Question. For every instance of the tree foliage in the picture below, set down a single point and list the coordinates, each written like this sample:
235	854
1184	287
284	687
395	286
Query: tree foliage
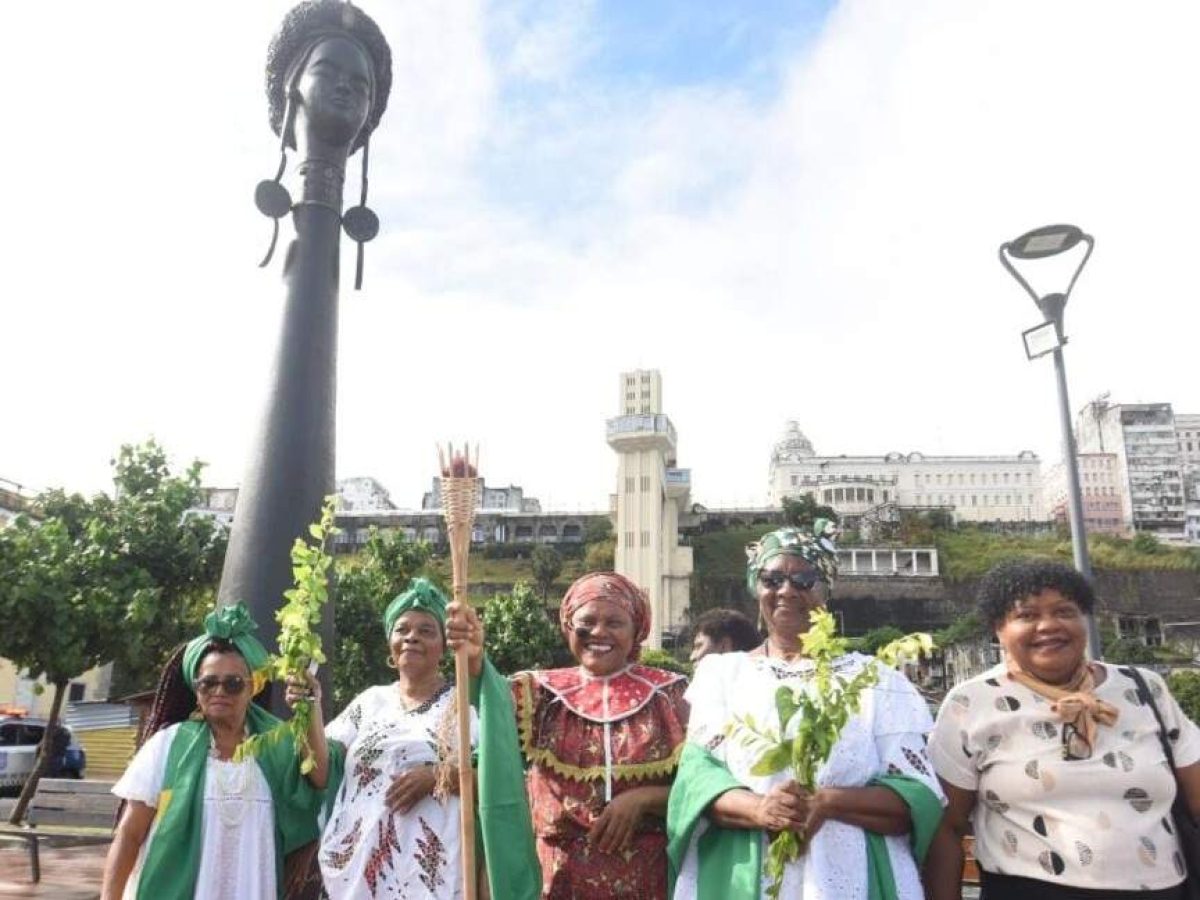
519	632
547	566
366	585
802	511
601	556
664	659
1185	688
107	579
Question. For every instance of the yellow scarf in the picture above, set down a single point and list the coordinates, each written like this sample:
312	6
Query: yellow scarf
1075	703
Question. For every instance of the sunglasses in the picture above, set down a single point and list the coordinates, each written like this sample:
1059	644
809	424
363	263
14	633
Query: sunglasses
232	685
801	581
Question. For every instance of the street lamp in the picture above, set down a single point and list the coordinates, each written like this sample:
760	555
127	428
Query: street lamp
1041	243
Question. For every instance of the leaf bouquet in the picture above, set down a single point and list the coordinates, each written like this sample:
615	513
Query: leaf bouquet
811	720
299	637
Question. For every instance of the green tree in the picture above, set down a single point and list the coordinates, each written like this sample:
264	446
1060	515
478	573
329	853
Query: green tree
597	530
519	632
601	556
802	511
1185	688
64	601
879	637
664	659
365	586
154	519
547	565
1124	651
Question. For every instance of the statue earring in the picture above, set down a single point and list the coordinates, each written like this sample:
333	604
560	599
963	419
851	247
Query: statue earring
271	197
360	222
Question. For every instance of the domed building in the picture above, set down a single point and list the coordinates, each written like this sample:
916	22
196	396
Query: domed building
983	488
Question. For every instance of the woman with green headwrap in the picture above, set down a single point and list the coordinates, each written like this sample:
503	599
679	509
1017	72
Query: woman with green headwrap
197	822
393	830
877	802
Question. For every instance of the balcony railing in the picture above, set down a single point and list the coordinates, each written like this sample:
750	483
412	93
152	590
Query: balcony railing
679	477
655	424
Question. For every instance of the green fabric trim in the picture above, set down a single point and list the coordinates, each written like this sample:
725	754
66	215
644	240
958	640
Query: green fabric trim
173	858
226	623
925	810
504	825
730	859
422	594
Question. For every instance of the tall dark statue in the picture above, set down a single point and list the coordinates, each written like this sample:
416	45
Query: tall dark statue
328	78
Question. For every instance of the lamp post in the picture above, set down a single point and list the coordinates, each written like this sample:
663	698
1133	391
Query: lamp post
1041	243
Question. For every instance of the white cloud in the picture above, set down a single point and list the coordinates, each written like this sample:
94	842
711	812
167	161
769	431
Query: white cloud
825	254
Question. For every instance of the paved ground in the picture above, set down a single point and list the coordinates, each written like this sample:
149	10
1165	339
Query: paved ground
68	873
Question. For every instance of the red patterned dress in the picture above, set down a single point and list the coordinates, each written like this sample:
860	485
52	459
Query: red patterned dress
588	739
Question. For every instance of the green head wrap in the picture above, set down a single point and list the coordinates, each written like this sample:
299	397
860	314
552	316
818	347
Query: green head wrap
234	625
422	595
816	548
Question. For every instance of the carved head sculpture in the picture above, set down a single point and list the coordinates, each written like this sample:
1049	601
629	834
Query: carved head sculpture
330	68
331	58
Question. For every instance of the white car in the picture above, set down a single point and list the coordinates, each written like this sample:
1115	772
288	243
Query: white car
20	737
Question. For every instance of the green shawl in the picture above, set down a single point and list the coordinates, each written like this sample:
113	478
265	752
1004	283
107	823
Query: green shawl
730	859
173	858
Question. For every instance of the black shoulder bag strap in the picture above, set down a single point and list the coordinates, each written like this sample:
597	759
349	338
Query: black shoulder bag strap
1187	831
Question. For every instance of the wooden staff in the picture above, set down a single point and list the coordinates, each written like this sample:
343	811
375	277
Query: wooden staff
460	492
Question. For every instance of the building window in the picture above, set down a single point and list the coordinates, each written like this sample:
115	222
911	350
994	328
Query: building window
972	478
630	380
974	499
75	692
885	496
795	481
828	496
645	483
629	539
645	539
629	484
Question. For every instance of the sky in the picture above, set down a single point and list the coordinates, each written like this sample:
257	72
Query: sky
791	209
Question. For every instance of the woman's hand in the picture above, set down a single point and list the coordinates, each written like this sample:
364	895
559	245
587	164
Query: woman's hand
614	828
301	689
785	807
463	629
409	787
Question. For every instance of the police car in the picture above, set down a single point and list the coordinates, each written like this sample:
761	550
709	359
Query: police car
20	737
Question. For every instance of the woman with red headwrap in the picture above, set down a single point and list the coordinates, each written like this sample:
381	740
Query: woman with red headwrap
602	740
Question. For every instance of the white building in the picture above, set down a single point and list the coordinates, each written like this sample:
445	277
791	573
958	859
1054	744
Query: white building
651	493
1149	465
1187	432
363	494
510	499
1100	490
977	488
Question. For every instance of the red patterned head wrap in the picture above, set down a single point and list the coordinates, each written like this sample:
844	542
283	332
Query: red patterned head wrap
615	589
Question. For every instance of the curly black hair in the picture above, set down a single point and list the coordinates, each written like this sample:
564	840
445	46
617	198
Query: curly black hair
728	623
306	24
1010	582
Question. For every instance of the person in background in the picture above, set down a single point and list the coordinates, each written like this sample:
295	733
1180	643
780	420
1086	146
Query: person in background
723	631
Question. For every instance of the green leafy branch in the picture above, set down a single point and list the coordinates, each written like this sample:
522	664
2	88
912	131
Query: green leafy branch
814	719
299	630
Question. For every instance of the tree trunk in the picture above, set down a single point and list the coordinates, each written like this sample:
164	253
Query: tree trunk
43	757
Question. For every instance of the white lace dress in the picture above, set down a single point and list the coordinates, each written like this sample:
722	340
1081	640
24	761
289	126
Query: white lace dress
886	736
237	851
367	851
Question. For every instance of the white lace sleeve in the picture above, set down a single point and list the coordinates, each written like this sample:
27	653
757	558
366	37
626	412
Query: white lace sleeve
344	729
709	710
143	779
902	722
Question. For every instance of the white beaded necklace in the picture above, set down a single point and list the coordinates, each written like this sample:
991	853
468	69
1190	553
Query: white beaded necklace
231	779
